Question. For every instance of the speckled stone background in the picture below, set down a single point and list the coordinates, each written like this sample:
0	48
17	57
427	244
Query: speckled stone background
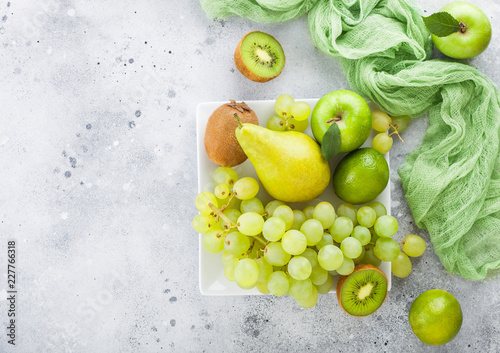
98	179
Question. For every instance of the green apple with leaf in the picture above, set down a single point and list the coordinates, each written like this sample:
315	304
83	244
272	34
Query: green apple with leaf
341	122
459	30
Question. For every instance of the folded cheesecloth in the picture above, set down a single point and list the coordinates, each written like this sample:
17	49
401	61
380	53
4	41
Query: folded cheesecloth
452	181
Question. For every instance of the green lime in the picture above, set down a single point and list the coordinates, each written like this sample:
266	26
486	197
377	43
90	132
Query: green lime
361	176
435	317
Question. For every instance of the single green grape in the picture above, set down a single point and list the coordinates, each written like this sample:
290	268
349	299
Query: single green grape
247	287
252	205
265	269
366	216
358	259
400	123
271	206
294	242
226	257
341	229
370	257
213	242
285	213
273	229
299	267
362	234
346	268
349	211
250	223
202	202
246	188
236	243
313	230
296	125
380	121
202	223
413	245
309	301
233	214
382	142
327	286
276	123
325	213
225	175
401	265
262	287
351	247
300	289
298	219
221	191
309	212
379	208
246	272
330	257
283	104
318	275
278	283
386	249
300	110
311	255
327	239
275	255
229	269
386	226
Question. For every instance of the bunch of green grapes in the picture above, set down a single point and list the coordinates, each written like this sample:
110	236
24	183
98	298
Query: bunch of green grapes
382	123
290	115
285	251
370	240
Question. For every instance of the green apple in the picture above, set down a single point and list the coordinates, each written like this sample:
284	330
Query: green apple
349	111
474	35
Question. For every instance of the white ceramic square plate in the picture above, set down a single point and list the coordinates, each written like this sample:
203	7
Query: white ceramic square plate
212	280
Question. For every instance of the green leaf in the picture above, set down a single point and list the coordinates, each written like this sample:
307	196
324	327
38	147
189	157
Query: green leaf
331	142
441	24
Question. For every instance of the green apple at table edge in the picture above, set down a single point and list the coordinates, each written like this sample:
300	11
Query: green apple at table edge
349	111
473	37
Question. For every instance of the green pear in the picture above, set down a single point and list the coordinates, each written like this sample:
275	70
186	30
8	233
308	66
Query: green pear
289	164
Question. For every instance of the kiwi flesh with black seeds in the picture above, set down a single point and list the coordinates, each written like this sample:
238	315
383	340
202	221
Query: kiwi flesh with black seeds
259	56
363	291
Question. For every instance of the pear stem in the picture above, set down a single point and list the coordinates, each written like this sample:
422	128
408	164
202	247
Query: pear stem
220	214
238	120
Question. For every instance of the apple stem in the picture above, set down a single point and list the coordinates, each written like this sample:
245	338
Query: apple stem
334	120
463	28
238	120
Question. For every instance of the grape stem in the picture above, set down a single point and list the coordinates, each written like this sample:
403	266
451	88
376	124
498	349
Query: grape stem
220	214
228	202
260	240
395	132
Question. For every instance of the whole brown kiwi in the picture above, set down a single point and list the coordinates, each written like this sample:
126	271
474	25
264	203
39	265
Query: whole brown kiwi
220	141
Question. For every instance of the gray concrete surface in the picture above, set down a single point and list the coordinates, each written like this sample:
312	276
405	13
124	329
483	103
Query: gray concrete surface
98	180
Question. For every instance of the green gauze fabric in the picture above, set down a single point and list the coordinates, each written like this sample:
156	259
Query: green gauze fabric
452	181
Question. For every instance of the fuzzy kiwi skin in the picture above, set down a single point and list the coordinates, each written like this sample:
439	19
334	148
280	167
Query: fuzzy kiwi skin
342	279
220	140
240	64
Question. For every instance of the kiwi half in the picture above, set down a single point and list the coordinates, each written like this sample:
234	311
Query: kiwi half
259	56
363	291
